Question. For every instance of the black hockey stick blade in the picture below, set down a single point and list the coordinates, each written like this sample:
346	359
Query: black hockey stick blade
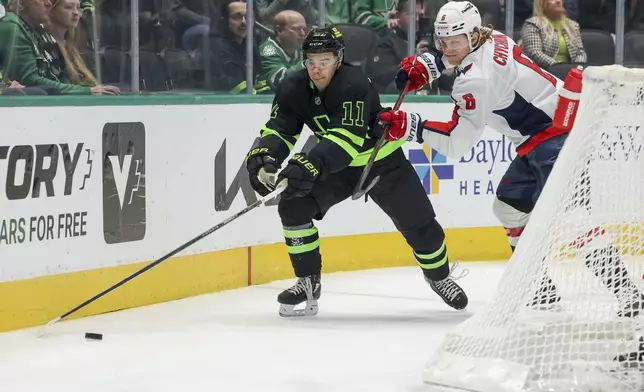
359	191
278	189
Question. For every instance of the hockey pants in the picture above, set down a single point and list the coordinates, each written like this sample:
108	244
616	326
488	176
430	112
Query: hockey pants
522	184
399	193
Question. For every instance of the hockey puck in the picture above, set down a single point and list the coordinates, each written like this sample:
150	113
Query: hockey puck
93	336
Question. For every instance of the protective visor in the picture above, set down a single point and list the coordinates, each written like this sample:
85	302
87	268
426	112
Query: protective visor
451	44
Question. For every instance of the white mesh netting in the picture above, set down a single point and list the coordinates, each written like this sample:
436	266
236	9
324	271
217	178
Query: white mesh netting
587	235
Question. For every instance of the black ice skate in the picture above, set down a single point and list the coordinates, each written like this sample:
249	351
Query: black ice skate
607	265
449	291
633	359
546	297
307	289
632	305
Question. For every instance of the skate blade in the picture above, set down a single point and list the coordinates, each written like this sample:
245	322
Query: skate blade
310	310
630	311
554	307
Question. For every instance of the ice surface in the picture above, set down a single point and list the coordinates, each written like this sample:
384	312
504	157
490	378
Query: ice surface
374	332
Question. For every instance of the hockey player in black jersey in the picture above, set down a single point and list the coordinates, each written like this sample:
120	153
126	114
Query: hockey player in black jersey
338	103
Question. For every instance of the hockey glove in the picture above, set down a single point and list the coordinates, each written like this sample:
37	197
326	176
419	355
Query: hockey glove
262	168
301	172
376	127
421	70
403	125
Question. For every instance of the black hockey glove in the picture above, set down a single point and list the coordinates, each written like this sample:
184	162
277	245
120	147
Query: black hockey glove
261	165
301	172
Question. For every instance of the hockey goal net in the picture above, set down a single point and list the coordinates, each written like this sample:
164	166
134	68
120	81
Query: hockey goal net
580	258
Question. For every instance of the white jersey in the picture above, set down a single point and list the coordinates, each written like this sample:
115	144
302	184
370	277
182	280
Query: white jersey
498	86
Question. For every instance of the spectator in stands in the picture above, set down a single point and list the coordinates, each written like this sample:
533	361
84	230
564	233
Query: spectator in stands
30	55
380	15
425	43
228	57
549	37
189	18
392	48
63	26
14	88
335	11
216	10
268	10
523	11
283	55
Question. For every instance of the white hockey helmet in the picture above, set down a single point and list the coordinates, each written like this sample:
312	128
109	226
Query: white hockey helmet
456	18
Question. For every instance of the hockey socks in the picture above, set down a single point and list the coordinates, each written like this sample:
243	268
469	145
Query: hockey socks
303	245
435	263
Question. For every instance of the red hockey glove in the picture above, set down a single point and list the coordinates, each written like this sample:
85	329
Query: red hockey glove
421	70
402	125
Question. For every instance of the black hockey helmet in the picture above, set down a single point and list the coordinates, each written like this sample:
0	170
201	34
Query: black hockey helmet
323	40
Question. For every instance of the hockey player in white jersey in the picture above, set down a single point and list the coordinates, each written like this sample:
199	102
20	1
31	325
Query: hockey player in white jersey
498	86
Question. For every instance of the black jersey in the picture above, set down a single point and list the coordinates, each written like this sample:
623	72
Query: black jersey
341	117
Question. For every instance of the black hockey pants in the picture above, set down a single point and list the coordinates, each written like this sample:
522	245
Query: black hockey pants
399	193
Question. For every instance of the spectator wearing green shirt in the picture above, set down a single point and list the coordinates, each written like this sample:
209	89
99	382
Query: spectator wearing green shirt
268	9
377	14
283	54
335	11
64	17
11	87
30	55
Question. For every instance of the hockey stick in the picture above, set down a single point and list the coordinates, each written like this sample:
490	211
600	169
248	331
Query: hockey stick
279	189
359	192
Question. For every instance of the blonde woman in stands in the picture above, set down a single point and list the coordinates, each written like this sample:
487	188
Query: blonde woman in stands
63	26
549	37
31	56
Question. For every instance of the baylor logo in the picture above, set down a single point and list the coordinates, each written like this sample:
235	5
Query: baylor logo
124	215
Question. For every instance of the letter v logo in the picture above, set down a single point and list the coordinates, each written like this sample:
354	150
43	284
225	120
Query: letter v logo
121	174
124	195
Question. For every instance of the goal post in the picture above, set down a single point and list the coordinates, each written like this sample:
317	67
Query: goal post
586	234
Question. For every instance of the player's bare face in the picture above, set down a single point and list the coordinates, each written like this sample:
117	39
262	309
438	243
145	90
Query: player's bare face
321	67
455	48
